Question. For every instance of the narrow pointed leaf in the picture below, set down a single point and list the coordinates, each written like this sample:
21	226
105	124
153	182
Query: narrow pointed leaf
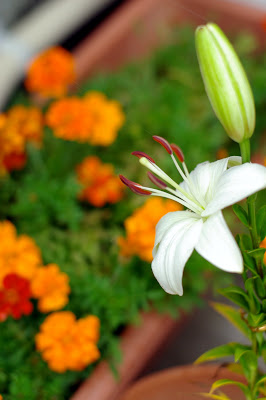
260	382
249	362
224	382
240	350
237	295
224	350
261	222
233	316
241	214
221	396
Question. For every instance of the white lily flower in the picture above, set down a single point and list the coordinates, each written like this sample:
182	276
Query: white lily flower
204	192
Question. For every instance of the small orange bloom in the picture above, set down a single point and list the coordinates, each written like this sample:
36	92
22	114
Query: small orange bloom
69	119
107	118
67	343
140	228
17	127
263	244
100	185
51	287
51	73
222	153
18	254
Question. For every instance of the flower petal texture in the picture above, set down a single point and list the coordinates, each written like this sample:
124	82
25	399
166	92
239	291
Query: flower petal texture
225	82
235	184
217	245
176	236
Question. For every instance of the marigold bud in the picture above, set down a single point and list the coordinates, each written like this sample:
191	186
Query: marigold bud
225	82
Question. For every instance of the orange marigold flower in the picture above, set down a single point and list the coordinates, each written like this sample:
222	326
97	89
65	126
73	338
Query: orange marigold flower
14	297
51	73
100	185
263	245
222	153
107	118
18	254
67	343
69	119
51	287
17	127
140	228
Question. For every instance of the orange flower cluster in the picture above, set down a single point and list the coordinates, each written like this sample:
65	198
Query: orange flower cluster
51	73
20	255
67	343
17	127
93	119
100	185
51	287
140	227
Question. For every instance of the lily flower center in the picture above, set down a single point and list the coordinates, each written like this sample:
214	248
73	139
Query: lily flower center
189	197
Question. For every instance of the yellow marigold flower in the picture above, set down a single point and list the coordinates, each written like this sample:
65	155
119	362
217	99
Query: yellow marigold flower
51	287
263	244
18	254
140	228
107	118
67	343
51	73
69	119
100	185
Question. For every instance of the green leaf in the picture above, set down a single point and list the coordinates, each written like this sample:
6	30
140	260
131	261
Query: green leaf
232	315
261	381
260	287
221	396
264	305
224	382
237	295
224	350
241	214
240	350
261	222
257	253
249	362
245	243
254	303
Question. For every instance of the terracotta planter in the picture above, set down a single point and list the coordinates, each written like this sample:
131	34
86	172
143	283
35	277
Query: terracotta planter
183	383
139	344
139	26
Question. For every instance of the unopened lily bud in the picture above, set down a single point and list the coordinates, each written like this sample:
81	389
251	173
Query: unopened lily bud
225	82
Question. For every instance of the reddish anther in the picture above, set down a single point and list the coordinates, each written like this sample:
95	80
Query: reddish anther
140	154
178	152
164	143
156	181
135	187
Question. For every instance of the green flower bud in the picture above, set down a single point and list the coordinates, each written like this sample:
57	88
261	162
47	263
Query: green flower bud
225	82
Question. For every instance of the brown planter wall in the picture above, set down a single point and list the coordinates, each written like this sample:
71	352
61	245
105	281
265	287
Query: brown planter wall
139	26
132	32
139	345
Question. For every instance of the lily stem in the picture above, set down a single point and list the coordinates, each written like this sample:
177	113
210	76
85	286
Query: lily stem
245	153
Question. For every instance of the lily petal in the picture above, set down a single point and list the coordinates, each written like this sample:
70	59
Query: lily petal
218	246
174	244
205	177
235	184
